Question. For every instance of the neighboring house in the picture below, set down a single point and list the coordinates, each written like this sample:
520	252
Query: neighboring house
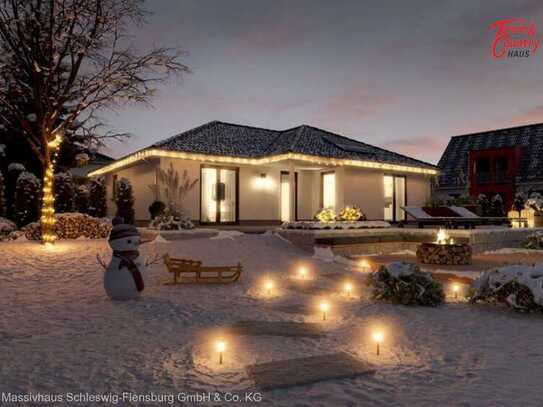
254	175
92	162
493	162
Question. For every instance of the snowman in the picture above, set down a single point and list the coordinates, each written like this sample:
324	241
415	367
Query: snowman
123	279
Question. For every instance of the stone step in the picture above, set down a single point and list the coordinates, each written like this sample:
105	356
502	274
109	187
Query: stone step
277	328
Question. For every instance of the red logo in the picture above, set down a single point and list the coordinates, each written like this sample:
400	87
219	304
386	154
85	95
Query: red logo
515	37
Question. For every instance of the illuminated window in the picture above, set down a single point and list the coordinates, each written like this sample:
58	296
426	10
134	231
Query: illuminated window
329	190
285	197
394	196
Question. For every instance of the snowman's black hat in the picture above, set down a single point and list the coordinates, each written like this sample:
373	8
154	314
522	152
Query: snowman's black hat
122	230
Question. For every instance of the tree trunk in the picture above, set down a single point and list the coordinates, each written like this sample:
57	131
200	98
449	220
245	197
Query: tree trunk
48	219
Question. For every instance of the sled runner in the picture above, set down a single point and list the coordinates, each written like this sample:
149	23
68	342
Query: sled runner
186	271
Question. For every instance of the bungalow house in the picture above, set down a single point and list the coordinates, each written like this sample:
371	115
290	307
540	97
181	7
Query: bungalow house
250	175
501	161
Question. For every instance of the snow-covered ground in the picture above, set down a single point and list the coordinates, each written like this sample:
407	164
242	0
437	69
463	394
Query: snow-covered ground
59	333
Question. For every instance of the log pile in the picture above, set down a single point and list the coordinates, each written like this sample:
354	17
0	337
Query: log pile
450	254
73	226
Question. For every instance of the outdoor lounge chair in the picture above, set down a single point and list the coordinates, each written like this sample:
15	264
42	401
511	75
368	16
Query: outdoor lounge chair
449	217
186	271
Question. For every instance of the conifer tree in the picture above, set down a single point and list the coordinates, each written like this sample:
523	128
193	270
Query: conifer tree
64	192
27	199
125	201
97	198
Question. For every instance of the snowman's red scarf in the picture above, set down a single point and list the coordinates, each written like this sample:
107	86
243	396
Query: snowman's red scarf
127	260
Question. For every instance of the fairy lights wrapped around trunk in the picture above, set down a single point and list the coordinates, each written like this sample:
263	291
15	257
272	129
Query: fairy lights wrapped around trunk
48	219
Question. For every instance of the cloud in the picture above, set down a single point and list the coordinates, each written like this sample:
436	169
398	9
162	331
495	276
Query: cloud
429	148
529	116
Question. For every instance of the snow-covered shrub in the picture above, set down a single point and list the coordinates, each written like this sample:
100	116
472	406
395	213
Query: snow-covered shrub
351	213
497	206
518	286
2	196
157	208
404	283
64	192
167	221
535	202
326	215
484	204
26	208
81	201
97	197
125	201
6	227
534	241
14	170
82	159
519	202
73	226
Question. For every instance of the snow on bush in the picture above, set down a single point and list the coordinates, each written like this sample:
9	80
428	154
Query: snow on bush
6	227
125	201
535	202
16	167
518	286
404	283
27	199
534	241
167	221
73	226
64	192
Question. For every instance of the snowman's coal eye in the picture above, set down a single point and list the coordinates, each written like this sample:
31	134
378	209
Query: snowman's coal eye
129	241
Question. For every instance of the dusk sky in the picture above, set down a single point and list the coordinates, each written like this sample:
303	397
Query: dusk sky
403	75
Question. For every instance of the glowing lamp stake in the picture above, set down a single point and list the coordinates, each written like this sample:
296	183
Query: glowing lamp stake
269	286
324	308
221	347
348	288
302	273
378	338
455	288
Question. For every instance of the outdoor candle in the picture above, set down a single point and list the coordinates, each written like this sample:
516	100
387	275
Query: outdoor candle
378	338
220	345
302	273
324	308
364	265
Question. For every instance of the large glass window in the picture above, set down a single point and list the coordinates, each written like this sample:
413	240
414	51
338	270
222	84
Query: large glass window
394	197
329	190
285	197
218	195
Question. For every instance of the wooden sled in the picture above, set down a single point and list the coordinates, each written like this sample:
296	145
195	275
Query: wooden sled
186	271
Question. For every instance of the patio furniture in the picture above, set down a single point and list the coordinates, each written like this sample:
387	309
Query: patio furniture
450	217
187	271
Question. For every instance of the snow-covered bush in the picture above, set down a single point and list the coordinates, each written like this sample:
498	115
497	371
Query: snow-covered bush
497	206
81	201
97	197
2	196
351	213
6	227
167	221
73	226
404	283
26	208
535	202
326	215
534	241
64	192
484	204
517	286
519	202
125	201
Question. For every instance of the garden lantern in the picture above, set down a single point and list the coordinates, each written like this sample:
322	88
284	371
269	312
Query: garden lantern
456	289
378	337
348	289
268	286
324	306
220	345
302	273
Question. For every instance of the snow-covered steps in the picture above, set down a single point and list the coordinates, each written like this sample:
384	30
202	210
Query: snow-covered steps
307	370
277	328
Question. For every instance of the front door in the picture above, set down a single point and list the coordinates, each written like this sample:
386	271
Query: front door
218	195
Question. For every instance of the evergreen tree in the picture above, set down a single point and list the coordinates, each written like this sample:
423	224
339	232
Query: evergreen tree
14	170
97	198
27	199
64	192
2	196
125	201
82	199
496	206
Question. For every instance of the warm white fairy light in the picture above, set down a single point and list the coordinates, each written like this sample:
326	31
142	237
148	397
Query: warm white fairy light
324	306
151	153
378	337
442	236
48	219
220	346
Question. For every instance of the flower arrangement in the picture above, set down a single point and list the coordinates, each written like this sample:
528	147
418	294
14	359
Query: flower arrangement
351	214
405	283
326	215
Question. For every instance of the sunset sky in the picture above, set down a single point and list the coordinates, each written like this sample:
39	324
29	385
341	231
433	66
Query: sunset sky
403	75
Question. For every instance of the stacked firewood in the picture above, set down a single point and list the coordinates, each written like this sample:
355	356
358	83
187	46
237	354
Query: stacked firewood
451	254
73	226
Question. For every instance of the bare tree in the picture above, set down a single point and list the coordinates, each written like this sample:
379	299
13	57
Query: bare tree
66	60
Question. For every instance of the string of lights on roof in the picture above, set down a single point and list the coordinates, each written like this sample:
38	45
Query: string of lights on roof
152	153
